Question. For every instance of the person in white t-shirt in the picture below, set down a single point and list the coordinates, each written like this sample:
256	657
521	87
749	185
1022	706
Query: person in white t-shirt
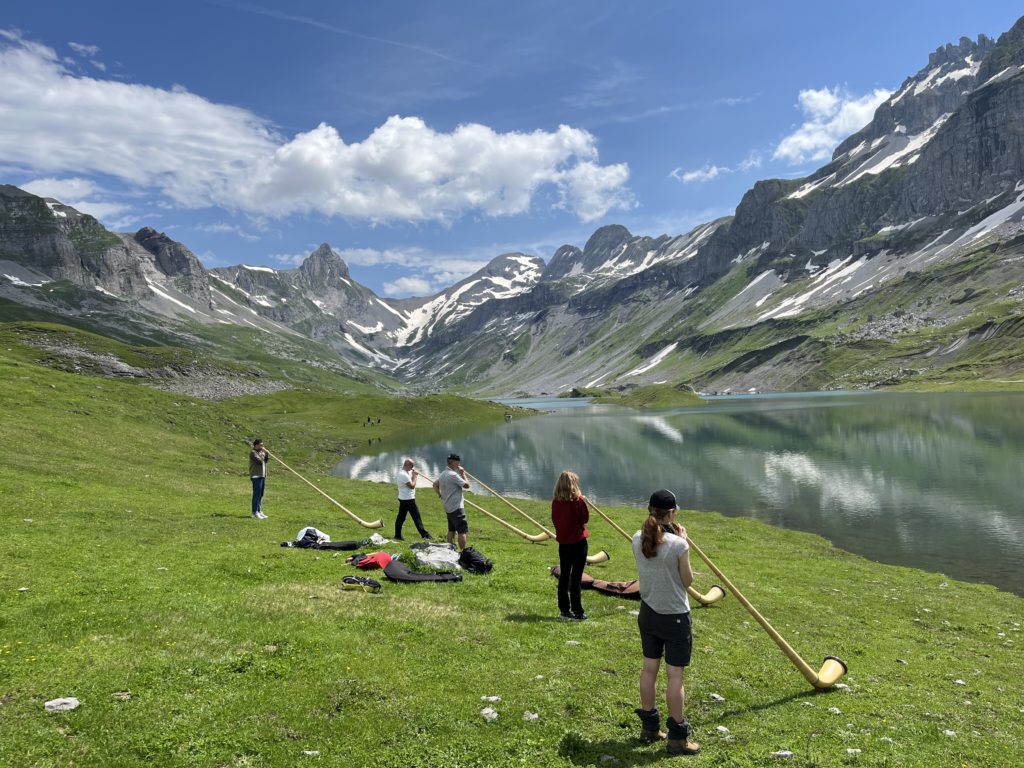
406	482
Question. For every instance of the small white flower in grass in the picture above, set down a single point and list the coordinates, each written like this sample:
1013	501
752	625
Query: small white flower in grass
887	740
902	661
968	703
26	519
852	751
24	589
62	705
122	695
573	642
959	682
311	752
949	733
842	686
539	677
927	610
620	607
490	698
806	704
716	697
530	716
1000	634
634	613
835	711
161	568
722	729
489	714
783	754
943	585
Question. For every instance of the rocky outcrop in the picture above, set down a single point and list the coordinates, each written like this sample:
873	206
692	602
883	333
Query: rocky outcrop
178	262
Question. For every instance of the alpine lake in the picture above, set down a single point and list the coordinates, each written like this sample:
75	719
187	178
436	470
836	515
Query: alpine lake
932	481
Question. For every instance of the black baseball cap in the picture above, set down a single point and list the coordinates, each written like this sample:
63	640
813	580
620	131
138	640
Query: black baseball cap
663	499
454	457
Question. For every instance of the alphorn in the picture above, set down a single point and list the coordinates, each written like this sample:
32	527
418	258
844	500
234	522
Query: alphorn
600	557
713	595
831	669
374	524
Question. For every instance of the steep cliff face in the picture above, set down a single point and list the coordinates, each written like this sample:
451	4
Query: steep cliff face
63	244
177	262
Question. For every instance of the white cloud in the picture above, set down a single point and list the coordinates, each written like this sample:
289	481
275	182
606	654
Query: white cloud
198	153
832	115
84	50
289	259
408	286
223	228
707	173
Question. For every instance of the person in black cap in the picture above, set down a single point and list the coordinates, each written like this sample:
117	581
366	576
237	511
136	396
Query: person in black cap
663	566
450	486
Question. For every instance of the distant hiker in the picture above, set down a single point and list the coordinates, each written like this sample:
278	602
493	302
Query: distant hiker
450	486
406	482
569	515
663	565
258	458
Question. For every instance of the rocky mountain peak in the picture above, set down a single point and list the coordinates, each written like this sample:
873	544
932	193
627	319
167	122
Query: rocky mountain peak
1007	52
172	258
324	267
605	240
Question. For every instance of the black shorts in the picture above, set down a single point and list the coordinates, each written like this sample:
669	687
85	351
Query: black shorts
457	522
665	634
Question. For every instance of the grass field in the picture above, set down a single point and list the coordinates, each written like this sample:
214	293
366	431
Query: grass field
134	579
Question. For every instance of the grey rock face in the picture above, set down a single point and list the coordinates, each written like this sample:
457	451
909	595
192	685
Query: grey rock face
178	262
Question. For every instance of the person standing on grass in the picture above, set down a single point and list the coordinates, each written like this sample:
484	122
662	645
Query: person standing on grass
258	458
450	486
663	565
569	515
406	482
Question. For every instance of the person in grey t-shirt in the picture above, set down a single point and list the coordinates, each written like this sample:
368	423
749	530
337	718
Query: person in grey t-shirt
663	566
450	486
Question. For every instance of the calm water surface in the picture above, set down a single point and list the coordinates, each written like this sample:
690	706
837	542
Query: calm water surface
930	481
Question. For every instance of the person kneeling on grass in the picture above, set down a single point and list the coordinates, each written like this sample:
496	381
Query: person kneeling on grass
569	515
663	567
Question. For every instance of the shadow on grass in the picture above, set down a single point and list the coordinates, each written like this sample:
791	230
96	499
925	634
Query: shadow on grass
531	618
236	515
625	750
773	703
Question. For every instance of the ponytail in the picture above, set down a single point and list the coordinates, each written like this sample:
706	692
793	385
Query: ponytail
652	533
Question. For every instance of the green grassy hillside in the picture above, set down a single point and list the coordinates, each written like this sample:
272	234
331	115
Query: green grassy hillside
134	579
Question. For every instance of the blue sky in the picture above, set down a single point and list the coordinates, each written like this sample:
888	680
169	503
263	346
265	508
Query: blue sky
422	139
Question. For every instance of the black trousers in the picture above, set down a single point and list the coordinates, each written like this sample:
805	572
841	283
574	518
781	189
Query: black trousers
408	506
571	559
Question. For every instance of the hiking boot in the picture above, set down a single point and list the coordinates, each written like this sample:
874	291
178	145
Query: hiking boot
425	535
679	739
650	725
651	737
581	616
563	616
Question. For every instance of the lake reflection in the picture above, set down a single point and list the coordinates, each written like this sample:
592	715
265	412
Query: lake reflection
931	481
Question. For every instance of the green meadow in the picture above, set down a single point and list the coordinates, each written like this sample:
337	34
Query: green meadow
134	579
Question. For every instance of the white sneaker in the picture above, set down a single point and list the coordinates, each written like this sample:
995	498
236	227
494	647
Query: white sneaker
262	516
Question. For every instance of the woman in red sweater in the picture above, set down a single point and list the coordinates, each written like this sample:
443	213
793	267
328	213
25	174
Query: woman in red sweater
570	514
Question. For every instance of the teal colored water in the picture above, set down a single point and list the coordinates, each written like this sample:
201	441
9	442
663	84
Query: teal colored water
926	480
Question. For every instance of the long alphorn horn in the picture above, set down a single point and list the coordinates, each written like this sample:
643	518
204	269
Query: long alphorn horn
600	557
536	538
831	670
713	595
480	482
374	524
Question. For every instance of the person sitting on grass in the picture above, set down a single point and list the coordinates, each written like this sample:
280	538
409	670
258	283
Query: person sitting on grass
663	567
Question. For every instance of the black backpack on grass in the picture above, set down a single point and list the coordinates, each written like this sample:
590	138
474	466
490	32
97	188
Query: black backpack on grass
475	561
